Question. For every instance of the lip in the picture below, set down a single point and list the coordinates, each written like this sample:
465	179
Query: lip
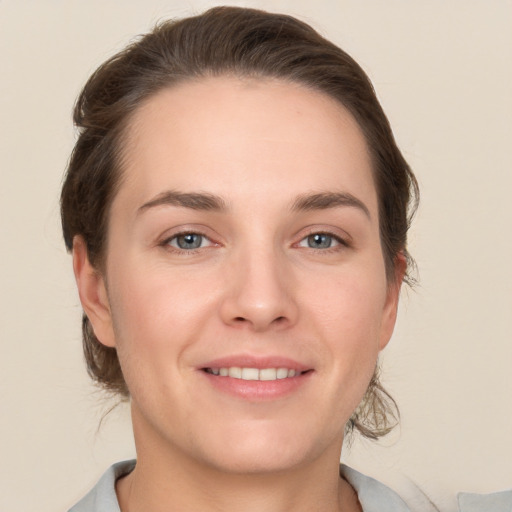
259	362
255	390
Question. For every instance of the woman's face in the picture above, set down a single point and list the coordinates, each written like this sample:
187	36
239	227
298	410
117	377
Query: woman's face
244	239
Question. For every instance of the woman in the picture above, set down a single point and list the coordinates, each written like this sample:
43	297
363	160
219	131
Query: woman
237	210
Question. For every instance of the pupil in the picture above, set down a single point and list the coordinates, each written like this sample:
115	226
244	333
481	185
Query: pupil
189	241
319	241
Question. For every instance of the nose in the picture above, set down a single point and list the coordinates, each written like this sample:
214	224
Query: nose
259	292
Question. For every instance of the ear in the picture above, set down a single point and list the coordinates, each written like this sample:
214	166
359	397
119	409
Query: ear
93	293
391	305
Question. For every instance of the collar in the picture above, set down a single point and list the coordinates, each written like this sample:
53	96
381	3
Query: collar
373	495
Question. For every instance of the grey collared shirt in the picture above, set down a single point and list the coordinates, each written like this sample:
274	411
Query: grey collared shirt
373	495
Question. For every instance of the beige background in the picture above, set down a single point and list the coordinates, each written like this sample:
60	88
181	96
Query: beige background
443	72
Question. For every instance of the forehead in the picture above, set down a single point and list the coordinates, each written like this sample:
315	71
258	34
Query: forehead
228	135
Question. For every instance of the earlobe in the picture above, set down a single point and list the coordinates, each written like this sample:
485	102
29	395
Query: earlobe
391	306
93	293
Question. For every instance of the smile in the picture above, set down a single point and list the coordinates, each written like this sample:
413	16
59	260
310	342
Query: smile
261	374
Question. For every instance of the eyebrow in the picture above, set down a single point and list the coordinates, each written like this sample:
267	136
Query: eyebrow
325	200
192	200
211	202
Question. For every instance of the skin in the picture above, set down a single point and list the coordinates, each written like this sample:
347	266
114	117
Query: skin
255	286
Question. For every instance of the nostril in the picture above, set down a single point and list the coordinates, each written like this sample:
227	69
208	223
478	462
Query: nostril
260	320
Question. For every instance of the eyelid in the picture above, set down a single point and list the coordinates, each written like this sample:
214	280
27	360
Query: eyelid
178	235
335	242
341	236
166	238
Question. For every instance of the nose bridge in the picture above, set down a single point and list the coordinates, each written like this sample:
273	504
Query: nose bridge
260	288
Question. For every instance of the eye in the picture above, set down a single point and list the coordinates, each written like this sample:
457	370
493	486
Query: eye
320	241
188	241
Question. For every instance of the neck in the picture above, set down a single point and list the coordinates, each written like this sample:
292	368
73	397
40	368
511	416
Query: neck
167	479
228	493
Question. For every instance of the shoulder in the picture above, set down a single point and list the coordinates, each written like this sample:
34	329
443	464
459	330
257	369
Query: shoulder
377	497
372	494
102	497
494	502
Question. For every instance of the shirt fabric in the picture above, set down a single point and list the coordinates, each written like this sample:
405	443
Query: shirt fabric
373	495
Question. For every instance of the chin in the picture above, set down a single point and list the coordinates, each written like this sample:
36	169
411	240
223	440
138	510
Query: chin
261	450
262	461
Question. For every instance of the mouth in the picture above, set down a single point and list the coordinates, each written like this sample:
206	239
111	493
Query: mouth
256	378
255	374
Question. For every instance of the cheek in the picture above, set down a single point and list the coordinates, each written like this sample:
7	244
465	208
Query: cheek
155	322
349	315
350	302
158	314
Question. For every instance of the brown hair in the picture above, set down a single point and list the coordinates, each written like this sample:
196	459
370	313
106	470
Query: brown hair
224	41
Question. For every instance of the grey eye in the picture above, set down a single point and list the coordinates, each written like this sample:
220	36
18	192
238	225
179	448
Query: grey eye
188	241
320	241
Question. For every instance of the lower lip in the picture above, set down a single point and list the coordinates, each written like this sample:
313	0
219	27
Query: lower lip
258	390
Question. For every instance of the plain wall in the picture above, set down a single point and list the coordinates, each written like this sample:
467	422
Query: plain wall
442	70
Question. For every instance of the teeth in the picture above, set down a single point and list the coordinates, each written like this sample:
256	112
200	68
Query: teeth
250	374
266	374
269	374
282	373
235	372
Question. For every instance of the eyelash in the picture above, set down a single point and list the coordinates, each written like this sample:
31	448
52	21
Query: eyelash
339	242
167	242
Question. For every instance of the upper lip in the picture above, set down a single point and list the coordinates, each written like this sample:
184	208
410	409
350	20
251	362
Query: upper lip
259	362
